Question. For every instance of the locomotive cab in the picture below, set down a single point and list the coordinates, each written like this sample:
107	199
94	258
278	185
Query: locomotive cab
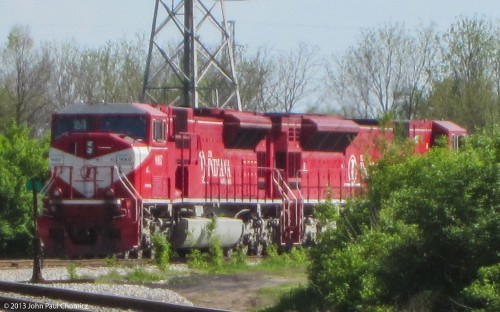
94	194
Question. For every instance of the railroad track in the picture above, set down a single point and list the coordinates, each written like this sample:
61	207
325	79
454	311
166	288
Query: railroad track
79	301
28	263
52	263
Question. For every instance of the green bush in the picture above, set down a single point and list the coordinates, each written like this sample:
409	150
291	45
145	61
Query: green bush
215	254
21	159
161	249
425	227
197	259
484	292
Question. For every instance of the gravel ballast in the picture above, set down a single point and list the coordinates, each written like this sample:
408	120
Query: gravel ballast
57	277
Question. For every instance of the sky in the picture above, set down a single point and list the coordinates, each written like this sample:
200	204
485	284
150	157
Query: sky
330	25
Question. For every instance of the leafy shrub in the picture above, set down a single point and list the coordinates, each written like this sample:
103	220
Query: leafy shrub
215	254
295	258
197	260
421	232
484	292
161	250
21	159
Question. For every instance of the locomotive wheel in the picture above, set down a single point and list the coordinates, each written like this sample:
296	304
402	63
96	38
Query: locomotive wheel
150	253
182	253
244	248
259	248
126	255
228	252
139	253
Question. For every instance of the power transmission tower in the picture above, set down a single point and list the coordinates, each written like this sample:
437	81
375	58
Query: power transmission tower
193	71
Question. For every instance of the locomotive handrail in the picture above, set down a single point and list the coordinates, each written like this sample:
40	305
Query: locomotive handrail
46	186
124	180
278	180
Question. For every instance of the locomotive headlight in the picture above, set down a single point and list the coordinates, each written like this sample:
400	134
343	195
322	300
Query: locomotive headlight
109	193
90	147
57	193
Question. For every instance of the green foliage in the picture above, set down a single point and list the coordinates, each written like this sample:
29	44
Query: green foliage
216	255
112	261
484	292
238	259
300	299
72	274
21	159
423	230
137	275
197	260
213	261
162	250
295	258
141	275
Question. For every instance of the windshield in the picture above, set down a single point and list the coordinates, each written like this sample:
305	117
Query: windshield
71	124
132	126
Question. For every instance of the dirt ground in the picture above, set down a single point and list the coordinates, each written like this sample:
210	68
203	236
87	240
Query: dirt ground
235	292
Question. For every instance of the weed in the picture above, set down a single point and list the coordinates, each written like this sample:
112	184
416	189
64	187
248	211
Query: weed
112	261
140	275
112	277
197	260
296	258
238	260
72	271
162	250
137	275
215	255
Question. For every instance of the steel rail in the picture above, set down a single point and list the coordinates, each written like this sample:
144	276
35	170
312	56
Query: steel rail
98	299
52	262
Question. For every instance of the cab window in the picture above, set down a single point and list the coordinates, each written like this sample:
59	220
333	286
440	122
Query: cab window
132	126
159	127
71	124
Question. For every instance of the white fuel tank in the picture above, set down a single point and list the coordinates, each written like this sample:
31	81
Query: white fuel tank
197	232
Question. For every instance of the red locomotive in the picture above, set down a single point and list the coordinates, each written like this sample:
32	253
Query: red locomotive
121	172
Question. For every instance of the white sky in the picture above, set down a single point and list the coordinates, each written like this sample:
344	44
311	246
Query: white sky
331	25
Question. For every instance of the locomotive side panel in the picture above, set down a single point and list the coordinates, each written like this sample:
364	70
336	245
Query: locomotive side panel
121	172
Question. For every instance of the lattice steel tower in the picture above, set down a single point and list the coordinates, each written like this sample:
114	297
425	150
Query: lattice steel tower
190	60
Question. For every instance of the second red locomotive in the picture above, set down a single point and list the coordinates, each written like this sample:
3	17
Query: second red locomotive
122	172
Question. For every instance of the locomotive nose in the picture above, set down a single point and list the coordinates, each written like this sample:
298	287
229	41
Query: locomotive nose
83	235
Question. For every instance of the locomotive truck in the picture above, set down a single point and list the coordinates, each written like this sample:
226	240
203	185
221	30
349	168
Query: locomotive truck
120	173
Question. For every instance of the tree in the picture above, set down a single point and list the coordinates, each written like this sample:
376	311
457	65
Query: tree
25	80
254	75
65	72
293	79
112	73
21	159
465	91
388	71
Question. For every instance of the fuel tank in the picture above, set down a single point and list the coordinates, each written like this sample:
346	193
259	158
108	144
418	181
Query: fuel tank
199	232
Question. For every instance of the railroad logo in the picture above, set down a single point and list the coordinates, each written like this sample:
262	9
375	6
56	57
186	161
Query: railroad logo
159	160
88	172
215	170
353	169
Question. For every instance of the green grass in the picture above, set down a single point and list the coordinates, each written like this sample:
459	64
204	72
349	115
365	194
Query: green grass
299	299
295	259
270	296
137	275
